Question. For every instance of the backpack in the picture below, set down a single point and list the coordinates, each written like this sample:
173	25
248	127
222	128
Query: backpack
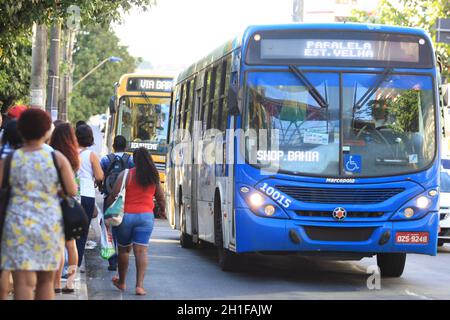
116	166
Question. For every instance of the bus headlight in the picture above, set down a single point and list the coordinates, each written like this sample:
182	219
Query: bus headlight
423	202
269	210
409	212
260	204
418	206
256	200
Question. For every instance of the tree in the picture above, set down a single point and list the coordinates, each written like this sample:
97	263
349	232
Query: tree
15	69
16	21
94	44
18	16
411	13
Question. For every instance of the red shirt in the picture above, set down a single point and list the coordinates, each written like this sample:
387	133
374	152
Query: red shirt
137	198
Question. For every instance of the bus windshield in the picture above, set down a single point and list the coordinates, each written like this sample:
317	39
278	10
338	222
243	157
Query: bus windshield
373	124
144	121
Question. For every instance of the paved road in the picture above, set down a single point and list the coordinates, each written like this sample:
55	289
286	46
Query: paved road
176	273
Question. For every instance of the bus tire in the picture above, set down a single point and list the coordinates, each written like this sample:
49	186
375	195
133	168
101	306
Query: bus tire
185	239
391	264
226	258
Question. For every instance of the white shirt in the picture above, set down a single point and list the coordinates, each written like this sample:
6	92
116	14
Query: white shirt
86	175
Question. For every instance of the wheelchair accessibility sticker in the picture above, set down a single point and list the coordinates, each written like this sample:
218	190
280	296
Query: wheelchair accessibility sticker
352	163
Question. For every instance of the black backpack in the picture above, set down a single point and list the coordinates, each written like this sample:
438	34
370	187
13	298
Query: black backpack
116	166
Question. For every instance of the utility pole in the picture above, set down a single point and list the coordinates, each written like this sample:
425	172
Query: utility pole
297	10
38	67
66	80
53	71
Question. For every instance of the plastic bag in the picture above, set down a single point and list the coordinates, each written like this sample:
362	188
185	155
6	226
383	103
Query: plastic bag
107	248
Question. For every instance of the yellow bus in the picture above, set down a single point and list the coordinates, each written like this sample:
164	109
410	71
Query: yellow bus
139	111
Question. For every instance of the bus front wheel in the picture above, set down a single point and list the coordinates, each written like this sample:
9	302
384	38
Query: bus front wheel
227	259
391	264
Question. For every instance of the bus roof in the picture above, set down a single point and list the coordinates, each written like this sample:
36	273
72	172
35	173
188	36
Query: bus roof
367	27
236	43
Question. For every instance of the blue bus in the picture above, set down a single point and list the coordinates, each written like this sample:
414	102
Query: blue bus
318	139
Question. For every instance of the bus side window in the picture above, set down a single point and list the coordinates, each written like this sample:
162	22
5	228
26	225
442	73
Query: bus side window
186	105
205	108
212	84
224	85
171	111
180	107
217	92
189	111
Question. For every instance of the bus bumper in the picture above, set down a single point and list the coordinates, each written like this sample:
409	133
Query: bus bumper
259	234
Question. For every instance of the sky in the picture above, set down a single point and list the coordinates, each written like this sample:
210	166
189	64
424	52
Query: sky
176	33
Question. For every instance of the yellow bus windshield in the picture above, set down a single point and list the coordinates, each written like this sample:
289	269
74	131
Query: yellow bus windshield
144	122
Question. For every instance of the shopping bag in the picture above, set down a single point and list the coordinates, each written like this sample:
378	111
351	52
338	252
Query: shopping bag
114	214
107	248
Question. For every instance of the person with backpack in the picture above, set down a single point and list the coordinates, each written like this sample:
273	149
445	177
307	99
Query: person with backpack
113	164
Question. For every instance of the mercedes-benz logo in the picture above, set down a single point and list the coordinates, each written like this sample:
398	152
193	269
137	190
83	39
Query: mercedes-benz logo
339	213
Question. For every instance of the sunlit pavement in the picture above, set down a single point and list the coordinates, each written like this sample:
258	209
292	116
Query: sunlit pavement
176	273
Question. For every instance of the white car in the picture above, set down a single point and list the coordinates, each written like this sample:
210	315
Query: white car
444	212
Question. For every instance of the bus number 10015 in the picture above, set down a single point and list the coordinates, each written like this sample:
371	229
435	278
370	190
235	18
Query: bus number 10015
275	195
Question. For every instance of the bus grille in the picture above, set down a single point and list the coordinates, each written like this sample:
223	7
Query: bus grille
338	234
328	214
338	196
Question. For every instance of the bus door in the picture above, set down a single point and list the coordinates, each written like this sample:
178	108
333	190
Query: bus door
196	136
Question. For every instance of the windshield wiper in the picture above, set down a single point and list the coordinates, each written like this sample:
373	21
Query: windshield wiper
311	89
366	96
145	96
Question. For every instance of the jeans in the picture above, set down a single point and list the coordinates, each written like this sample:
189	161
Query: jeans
88	204
136	228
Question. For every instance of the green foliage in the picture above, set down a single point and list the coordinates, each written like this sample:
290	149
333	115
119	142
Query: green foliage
91	96
17	16
15	70
405	109
16	20
411	13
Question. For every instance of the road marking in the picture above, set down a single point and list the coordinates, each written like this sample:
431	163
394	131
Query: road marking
417	295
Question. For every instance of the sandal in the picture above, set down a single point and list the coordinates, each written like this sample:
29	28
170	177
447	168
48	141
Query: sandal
115	282
68	290
140	291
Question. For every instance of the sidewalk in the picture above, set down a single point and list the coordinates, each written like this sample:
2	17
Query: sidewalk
81	292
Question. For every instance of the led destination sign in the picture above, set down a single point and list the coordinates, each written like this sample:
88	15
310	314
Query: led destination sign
340	49
149	84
